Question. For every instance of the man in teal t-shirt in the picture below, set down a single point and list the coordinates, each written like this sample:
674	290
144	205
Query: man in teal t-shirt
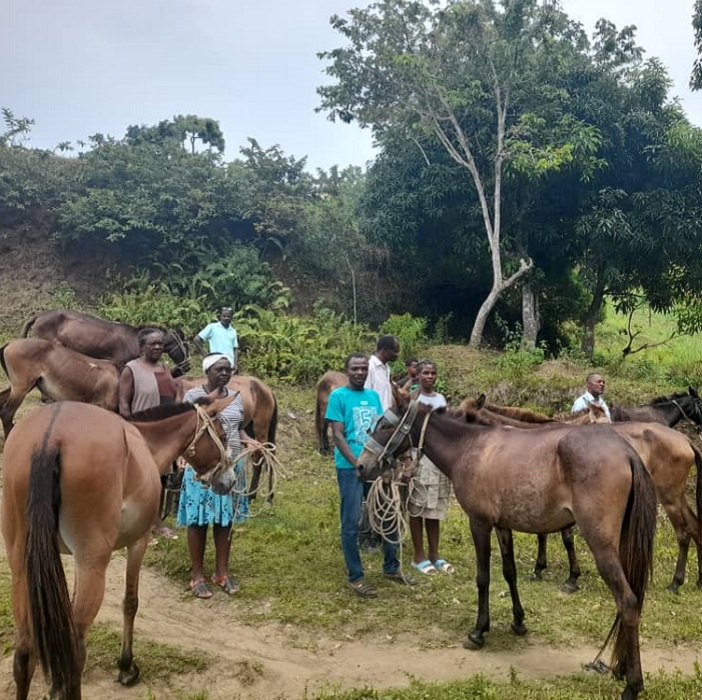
352	412
220	336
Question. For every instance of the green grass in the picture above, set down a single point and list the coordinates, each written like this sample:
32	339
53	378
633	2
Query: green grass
290	566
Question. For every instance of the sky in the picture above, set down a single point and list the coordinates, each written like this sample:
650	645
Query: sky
80	67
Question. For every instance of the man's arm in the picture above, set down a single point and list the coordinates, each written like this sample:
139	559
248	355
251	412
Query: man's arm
126	393
340	441
197	340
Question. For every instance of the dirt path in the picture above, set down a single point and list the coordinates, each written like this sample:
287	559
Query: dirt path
280	662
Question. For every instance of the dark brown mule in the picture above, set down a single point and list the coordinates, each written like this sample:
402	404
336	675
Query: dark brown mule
330	380
59	372
666	454
81	480
539	481
668	410
96	337
260	416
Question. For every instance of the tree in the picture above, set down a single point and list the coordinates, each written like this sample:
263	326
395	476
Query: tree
696	77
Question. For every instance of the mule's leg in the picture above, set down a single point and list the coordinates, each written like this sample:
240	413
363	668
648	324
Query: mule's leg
128	670
685	524
25	660
541	558
481	532
509	571
571	585
9	408
90	570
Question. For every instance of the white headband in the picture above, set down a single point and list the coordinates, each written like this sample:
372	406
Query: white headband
212	359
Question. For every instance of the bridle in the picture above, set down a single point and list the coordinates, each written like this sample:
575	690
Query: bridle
402	425
177	341
206	424
696	423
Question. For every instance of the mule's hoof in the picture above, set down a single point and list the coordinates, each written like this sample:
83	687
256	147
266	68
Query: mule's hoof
519	629
569	587
536	576
130	677
475	641
673	587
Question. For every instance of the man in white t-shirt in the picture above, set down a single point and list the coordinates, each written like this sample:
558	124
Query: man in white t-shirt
593	395
221	337
387	349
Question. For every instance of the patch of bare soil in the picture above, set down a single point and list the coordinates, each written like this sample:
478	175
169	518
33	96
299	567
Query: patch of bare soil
282	662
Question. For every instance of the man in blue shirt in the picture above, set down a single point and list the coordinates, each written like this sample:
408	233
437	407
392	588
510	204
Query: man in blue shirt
220	336
352	411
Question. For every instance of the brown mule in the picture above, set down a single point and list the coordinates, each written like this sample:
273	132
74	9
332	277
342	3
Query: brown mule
330	380
539	481
60	373
106	340
667	455
81	480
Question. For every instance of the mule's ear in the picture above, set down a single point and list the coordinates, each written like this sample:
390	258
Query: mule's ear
481	401
219	405
399	396
693	392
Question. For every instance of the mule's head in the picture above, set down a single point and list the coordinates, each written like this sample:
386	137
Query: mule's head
695	411
389	438
207	453
176	347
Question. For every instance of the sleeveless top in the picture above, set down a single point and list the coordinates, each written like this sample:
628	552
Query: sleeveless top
150	389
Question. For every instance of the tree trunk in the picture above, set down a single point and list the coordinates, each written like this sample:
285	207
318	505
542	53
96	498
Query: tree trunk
591	319
531	318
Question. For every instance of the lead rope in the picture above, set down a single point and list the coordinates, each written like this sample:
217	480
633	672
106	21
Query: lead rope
385	502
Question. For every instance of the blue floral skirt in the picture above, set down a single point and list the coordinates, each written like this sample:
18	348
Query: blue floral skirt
199	505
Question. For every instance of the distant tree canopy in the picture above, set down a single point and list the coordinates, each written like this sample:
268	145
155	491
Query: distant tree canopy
525	174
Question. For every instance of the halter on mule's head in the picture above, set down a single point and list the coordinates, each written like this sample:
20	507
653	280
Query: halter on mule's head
176	348
221	476
389	438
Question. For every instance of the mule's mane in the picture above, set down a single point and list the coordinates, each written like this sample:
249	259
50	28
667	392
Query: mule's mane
167	410
668	399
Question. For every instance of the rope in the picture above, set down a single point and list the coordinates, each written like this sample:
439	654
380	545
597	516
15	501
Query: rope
385	512
271	467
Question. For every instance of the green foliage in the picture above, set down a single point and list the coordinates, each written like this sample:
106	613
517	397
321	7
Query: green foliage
410	332
294	348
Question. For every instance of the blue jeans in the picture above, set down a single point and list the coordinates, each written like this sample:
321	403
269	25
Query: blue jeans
351	493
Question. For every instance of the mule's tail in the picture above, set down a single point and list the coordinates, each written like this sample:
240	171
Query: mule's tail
698	484
48	598
636	548
28	326
273	425
2	358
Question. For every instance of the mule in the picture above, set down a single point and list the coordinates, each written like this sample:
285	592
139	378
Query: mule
539	481
81	480
105	340
260	417
330	380
667	456
669	410
58	372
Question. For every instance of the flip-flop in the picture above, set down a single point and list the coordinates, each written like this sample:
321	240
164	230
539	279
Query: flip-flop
227	583
200	589
444	566
425	567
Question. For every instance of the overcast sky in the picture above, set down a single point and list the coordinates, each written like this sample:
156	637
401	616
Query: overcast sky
78	67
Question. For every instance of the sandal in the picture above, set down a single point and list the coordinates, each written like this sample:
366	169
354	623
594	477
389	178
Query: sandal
200	589
362	589
425	567
227	583
443	565
399	577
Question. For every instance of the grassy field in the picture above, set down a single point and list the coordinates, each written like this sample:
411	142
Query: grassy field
289	561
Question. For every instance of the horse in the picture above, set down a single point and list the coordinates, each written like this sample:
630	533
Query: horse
81	480
105	340
669	410
330	380
260	416
667	456
60	373
538	481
